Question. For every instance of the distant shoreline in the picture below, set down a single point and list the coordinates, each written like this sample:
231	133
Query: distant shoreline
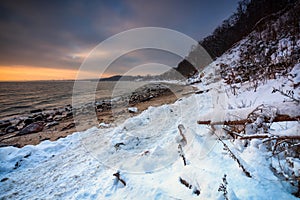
110	78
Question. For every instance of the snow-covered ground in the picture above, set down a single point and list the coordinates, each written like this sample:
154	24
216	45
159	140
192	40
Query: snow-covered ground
146	152
144	149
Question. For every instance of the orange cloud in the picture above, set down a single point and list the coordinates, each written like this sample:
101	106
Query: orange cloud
29	73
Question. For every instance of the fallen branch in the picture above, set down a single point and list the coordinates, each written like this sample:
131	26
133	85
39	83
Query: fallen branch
201	91
236	159
289	94
185	183
117	175
181	154
183	140
196	92
232	133
285	150
189	186
232	155
271	137
277	143
262	136
278	118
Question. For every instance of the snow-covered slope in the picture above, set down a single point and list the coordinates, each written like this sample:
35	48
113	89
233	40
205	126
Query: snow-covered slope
145	151
148	150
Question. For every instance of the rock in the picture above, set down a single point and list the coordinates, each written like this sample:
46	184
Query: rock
44	139
36	111
148	92
4	179
38	118
57	118
118	145
104	106
68	108
19	122
68	114
49	119
5	124
28	121
69	126
45	115
57	112
133	110
51	124
2	133
11	129
32	128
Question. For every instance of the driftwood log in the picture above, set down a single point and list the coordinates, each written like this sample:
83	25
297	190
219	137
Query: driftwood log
278	118
275	137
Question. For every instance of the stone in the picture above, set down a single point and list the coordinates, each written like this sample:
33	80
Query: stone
51	124
2	133
57	112
19	121
49	119
118	145
69	126
36	111
11	129
28	121
38	118
45	115
5	124
68	108
147	92
57	118
4	179
32	128
68	114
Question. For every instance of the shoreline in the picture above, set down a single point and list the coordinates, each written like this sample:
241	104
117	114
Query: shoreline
53	124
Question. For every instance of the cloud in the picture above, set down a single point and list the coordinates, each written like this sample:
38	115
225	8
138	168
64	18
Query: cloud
143	57
60	34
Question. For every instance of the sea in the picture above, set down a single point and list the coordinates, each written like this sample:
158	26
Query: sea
19	98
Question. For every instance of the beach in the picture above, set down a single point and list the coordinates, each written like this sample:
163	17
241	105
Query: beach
56	122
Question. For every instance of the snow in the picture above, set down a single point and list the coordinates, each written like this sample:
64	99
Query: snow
133	109
295	74
177	82
144	149
104	125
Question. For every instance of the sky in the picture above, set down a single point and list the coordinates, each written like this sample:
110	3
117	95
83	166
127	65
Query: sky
49	40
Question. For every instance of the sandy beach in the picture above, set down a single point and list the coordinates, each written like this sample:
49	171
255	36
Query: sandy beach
62	123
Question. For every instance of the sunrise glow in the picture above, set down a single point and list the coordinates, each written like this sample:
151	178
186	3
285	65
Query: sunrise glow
29	73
